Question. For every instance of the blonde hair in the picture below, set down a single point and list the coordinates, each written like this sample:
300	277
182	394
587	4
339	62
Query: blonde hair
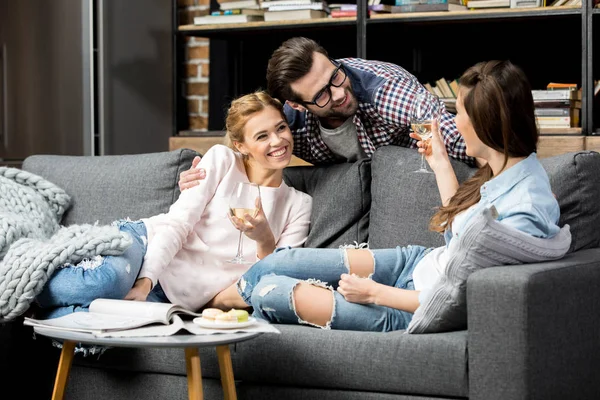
242	109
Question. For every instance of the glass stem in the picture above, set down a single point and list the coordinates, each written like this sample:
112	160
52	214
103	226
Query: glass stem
240	246
423	166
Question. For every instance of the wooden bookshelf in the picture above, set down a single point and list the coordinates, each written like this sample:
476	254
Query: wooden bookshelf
239	66
270	25
498	13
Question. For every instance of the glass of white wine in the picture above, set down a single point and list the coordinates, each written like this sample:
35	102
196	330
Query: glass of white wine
425	112
241	202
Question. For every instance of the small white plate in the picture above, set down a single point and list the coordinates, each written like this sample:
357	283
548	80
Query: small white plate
206	323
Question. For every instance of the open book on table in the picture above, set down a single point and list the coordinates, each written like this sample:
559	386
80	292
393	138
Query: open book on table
127	318
107	315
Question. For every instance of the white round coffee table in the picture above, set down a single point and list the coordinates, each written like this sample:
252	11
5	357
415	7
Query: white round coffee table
190	343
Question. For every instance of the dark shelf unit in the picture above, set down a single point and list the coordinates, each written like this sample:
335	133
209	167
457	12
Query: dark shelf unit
239	53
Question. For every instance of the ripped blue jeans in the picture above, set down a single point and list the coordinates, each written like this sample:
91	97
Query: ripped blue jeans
268	286
73	287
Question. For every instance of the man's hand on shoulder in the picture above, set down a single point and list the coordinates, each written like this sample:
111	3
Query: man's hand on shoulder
193	176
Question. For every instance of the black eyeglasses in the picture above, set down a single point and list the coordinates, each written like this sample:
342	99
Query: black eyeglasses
323	96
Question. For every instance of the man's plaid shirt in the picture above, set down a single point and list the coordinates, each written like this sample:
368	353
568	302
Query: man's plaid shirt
386	101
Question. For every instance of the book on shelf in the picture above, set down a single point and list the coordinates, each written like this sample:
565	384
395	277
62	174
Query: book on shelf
552	112
268	4
549	103
561	86
445	88
475	4
553	122
551	94
227	19
454	86
427	7
525	3
238	11
247	4
310	6
108	315
294	15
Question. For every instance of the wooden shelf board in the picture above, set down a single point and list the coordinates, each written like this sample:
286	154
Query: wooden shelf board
381	18
560	131
325	22
549	146
592	143
478	14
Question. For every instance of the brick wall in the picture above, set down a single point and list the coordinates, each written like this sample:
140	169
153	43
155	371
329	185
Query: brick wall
197	64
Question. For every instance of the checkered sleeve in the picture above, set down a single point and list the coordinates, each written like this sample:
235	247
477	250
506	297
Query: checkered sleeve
396	103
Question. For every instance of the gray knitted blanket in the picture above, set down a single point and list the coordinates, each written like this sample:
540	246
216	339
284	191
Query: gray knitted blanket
33	243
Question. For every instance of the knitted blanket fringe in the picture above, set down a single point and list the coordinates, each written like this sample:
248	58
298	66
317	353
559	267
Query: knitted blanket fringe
33	242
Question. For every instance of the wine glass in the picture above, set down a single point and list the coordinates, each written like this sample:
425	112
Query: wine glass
426	110
241	202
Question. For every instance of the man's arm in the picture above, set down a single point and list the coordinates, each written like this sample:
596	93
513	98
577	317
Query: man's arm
396	103
193	176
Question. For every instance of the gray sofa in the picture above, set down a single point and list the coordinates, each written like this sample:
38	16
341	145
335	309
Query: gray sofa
533	330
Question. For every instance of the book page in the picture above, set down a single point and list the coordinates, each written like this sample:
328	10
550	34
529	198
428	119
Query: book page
152	312
154	330
87	322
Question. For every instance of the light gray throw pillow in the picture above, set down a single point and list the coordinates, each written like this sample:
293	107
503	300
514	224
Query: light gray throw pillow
484	243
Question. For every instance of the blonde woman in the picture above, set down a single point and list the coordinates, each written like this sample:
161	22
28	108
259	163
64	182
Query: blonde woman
181	256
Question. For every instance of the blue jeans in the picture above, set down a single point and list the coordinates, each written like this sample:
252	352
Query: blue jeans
269	284
72	288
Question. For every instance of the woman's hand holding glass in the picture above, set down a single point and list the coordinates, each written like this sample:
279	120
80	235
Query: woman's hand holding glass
255	226
433	149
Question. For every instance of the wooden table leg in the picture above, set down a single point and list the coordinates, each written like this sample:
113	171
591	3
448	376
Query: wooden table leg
224	356
194	373
64	366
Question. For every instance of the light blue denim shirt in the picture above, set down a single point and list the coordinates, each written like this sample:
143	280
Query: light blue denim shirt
523	198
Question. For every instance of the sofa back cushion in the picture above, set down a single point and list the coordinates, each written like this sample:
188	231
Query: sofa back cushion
404	201
575	181
341	201
111	187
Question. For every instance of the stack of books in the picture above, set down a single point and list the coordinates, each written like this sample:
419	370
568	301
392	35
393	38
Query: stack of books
341	10
411	6
286	10
479	4
447	91
233	11
558	106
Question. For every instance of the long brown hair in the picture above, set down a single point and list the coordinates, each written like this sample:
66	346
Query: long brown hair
241	110
290	62
497	98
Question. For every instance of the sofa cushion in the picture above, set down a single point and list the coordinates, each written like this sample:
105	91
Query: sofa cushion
341	201
403	201
111	187
575	182
305	357
483	243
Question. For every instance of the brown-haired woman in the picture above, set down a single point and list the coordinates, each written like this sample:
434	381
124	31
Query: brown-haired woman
496	118
182	256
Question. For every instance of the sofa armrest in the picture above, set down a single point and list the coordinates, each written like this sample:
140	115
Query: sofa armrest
534	330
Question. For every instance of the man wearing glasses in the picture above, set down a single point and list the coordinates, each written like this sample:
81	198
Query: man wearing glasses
342	110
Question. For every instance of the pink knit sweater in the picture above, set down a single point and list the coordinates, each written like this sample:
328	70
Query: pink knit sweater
189	246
